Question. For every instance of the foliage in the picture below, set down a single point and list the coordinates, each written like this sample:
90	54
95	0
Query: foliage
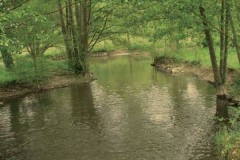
34	31
228	144
235	85
227	139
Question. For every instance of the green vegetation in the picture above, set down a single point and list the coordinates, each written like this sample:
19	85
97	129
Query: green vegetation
235	86
228	143
59	36
200	55
228	138
24	71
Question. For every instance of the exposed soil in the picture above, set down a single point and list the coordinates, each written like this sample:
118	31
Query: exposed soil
173	66
58	81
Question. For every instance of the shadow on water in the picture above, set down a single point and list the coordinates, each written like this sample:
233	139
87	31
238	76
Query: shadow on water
222	110
15	137
83	109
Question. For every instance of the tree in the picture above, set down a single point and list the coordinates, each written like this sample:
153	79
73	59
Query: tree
7	45
83	24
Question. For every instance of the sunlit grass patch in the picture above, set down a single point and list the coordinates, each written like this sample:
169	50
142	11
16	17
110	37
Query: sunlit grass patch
24	70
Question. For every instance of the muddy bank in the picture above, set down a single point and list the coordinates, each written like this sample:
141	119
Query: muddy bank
58	81
173	66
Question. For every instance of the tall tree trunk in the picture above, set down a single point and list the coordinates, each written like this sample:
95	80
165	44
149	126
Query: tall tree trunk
86	20
225	56
65	35
83	10
235	38
222	37
77	66
34	56
7	58
212	54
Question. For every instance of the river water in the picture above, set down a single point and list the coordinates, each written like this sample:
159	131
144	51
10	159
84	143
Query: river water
132	112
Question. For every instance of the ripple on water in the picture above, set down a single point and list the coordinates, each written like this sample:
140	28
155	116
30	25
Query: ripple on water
134	114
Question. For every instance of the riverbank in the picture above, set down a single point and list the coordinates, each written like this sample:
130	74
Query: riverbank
118	53
173	66
58	81
227	139
53	73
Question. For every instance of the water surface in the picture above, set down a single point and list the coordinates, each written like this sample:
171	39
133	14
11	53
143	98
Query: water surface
132	112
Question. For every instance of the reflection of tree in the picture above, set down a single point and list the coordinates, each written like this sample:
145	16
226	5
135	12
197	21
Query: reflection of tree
17	127
131	68
44	102
83	110
15	116
176	86
122	70
222	109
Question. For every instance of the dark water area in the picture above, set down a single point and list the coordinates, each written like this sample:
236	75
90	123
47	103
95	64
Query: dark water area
132	112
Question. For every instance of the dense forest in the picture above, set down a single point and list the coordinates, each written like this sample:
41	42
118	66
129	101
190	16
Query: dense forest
43	38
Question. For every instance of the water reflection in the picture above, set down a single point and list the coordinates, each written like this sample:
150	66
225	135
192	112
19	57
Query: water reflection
131	112
222	110
83	109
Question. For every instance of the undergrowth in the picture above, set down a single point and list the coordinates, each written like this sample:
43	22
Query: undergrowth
227	140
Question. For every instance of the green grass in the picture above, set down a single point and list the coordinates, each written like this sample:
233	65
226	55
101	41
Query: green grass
200	55
6	76
227	140
234	87
228	143
55	53
24	71
106	46
188	51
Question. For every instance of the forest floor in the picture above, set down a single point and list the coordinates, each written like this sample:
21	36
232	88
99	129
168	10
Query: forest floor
58	81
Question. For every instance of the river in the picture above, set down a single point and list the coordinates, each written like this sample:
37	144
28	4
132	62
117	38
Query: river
131	112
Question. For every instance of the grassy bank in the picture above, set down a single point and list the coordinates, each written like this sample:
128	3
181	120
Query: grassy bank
25	72
184	52
200	56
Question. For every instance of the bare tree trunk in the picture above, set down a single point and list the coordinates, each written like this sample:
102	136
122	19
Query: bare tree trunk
212	54
235	39
65	35
7	58
224	67
77	66
84	15
76	32
32	50
222	37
